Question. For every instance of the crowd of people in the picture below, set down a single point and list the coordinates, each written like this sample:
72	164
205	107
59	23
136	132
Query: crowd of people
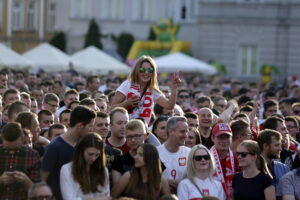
69	136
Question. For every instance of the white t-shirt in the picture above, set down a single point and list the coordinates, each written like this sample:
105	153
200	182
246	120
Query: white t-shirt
210	187
146	104
175	162
70	189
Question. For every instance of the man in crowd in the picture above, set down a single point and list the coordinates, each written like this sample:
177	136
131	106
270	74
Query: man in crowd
205	126
135	132
60	150
118	120
269	142
193	120
40	191
240	131
173	154
10	96
14	109
70	95
64	117
46	119
102	124
226	162
20	165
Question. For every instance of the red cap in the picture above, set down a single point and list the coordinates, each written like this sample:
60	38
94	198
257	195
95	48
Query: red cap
221	128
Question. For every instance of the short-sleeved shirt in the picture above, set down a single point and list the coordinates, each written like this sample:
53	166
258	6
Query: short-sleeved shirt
146	103
209	187
58	153
123	163
290	184
175	163
124	148
251	188
25	160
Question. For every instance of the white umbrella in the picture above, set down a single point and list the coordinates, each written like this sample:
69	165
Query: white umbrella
92	59
48	58
9	58
181	62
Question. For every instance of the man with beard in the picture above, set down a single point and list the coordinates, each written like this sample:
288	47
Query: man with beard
205	126
269	142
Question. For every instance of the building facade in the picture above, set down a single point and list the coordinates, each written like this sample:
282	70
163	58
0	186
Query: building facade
241	34
26	23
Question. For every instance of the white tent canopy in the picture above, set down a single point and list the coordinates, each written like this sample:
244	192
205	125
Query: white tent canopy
181	62
48	58
91	59
9	58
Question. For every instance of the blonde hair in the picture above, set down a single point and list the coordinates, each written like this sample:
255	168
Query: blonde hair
134	78
135	124
191	169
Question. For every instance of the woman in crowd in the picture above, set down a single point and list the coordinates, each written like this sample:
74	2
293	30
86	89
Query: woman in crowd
86	177
255	181
145	181
139	93
159	128
193	137
199	182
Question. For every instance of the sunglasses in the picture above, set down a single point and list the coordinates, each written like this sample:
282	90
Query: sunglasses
199	158
143	70
243	154
184	96
296	111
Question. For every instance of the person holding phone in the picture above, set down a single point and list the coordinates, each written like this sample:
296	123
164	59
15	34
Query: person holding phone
139	93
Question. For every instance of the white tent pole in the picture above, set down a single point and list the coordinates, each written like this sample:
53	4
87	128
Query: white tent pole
9	22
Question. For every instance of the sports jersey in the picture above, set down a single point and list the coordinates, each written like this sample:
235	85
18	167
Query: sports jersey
175	162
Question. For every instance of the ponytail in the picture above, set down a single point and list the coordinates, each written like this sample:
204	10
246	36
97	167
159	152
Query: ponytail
262	165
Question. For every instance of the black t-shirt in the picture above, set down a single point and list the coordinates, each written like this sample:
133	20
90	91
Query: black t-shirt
250	188
111	154
207	142
123	163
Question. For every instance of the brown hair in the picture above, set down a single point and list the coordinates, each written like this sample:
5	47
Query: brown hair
154	173
89	180
265	137
238	127
253	148
153	84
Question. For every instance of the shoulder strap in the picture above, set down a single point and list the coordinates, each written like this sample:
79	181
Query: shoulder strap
198	188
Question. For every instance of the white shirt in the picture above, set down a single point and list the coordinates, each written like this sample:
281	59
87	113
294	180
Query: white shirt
146	104
70	189
175	162
210	187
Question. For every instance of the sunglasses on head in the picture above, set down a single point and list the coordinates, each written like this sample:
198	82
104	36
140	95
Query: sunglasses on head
243	154
199	158
143	70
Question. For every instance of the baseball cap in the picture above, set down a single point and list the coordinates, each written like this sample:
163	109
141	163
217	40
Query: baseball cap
221	128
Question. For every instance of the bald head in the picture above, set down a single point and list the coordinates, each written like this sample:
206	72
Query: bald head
205	117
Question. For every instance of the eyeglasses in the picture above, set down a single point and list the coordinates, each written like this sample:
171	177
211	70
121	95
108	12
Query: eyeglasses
243	154
184	96
199	158
296	111
134	136
42	197
143	70
52	105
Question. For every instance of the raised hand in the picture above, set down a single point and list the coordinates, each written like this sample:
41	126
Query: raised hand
176	81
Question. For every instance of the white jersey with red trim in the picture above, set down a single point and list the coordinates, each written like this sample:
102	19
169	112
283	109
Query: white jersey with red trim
146	103
175	162
210	187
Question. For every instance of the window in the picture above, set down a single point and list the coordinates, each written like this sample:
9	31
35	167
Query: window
142	10
248	60
112	9
31	16
81	8
17	16
183	10
51	17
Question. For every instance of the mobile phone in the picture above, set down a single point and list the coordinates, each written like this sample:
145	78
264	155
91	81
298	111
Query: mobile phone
10	173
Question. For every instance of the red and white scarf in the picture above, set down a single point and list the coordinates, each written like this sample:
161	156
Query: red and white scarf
219	174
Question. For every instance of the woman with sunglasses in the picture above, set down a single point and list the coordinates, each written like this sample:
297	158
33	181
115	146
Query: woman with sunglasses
255	181
145	180
86	177
139	93
200	182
